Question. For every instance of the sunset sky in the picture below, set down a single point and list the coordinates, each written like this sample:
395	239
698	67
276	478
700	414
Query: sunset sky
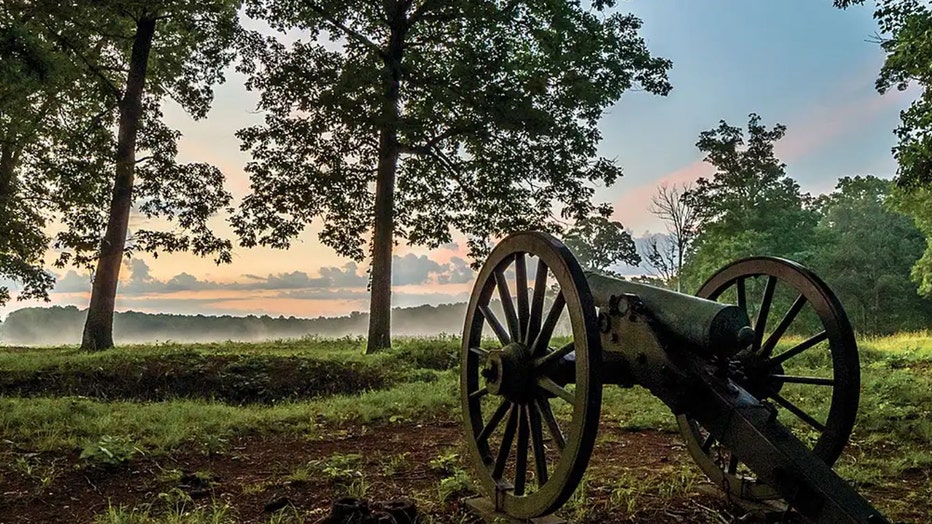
798	62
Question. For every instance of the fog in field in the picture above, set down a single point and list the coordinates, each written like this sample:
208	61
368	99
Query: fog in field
63	325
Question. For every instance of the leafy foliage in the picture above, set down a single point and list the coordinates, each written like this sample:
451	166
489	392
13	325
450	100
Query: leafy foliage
498	116
865	250
190	48
749	206
907	41
420	118
50	134
599	243
917	203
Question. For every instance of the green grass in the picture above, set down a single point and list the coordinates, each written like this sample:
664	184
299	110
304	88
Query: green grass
232	373
892	438
64	423
346	349
216	513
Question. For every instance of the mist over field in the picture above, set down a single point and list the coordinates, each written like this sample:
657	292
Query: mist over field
63	325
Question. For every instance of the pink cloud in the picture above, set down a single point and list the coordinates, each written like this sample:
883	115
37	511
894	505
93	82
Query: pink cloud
815	128
822	125
631	207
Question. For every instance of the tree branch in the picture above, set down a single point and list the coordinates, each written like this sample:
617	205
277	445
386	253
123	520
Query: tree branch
348	31
92	67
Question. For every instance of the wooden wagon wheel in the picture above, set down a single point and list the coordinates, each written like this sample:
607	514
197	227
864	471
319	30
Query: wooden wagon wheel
520	385
767	371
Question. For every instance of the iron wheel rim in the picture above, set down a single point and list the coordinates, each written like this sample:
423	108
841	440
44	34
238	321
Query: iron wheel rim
578	439
842	346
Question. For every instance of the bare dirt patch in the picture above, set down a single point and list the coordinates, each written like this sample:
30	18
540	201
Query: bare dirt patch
385	461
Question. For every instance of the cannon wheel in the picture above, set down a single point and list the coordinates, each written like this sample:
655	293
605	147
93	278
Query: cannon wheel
510	386
765	372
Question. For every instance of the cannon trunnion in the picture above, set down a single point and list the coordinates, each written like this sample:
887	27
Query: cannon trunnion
730	363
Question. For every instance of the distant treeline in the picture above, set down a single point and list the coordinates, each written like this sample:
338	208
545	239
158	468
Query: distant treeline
62	325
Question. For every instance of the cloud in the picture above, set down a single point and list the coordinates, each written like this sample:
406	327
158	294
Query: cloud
293	280
822	125
631	207
347	276
412	269
458	272
345	282
324	294
72	283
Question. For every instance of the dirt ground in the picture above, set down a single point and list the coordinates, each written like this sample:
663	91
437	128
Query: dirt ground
256	474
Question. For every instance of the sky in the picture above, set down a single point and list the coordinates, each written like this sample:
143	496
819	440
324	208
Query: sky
801	63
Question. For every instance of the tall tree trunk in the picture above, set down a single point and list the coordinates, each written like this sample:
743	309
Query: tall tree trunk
380	305
7	177
98	328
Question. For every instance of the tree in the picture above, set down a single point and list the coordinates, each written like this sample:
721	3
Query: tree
660	253
749	206
865	252
681	218
917	203
46	135
907	29
907	42
423	117
141	52
600	243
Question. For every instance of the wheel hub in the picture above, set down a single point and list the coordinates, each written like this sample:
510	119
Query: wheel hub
756	376
509	372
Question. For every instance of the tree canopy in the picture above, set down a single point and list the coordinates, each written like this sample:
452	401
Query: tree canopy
864	249
906	38
50	130
137	54
474	116
749	206
599	243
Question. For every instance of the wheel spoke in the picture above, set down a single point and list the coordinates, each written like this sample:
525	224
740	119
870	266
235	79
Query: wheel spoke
818	381
794	409
544	405
553	356
732	464
521	457
788	318
479	351
508	305
507	438
742	294
497	327
537	301
803	346
546	330
478	393
537	442
521	295
761	323
494	421
552	387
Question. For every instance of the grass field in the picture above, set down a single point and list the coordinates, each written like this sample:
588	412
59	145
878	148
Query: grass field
227	432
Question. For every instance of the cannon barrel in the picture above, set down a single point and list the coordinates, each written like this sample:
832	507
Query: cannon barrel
708	326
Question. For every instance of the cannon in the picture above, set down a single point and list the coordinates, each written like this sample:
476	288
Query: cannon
734	364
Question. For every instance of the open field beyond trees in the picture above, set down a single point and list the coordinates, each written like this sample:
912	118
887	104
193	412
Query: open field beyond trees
274	432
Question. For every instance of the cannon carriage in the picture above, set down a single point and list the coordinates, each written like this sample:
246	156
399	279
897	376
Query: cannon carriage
730	364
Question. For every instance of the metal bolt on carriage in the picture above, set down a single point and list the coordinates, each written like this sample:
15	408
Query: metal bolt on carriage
760	369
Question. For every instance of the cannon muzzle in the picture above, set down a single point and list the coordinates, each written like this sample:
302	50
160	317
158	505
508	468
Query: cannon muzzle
706	326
